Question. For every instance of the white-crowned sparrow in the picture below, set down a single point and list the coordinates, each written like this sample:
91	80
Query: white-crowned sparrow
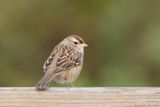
64	63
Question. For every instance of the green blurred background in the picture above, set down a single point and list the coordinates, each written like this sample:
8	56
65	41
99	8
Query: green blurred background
123	38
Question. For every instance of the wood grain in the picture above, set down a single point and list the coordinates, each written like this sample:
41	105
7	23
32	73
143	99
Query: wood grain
80	97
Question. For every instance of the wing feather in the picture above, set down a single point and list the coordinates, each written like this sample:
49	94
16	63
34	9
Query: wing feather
68	58
50	58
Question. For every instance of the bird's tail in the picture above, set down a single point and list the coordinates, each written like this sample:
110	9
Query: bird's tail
44	82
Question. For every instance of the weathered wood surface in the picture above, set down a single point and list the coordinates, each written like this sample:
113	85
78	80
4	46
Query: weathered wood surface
80	97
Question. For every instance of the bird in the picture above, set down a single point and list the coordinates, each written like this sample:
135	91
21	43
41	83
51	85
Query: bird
64	64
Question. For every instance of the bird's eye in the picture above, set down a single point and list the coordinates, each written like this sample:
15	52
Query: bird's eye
75	43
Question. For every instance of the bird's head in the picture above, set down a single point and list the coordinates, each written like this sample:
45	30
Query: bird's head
75	42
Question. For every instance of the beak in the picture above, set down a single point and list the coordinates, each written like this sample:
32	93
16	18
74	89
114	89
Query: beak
84	45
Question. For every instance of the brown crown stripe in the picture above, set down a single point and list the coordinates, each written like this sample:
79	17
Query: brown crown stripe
78	38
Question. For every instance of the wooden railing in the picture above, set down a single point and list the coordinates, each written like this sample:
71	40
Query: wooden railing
80	97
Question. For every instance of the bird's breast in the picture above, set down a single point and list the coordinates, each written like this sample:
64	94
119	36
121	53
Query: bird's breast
68	76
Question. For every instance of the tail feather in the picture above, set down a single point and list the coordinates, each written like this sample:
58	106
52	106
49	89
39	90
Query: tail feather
44	82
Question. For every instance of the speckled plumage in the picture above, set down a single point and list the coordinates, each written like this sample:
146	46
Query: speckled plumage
64	63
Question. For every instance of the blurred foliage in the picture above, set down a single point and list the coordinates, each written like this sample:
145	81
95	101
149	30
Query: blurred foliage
123	38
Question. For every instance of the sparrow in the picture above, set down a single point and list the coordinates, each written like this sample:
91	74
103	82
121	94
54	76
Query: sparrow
64	63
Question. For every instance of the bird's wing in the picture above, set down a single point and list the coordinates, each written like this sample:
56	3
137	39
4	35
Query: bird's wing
50	58
64	57
68	59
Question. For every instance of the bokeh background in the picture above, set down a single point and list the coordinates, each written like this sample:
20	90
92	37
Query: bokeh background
123	38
